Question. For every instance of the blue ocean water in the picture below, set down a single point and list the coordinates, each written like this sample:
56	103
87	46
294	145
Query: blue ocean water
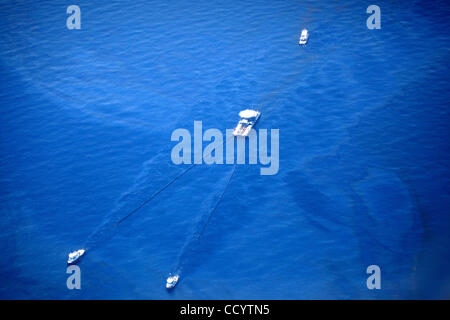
86	118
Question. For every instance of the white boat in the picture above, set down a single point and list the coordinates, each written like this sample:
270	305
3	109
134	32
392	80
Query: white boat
74	256
172	281
248	120
304	37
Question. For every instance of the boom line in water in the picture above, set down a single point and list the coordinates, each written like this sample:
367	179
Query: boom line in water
154	195
161	190
194	240
217	203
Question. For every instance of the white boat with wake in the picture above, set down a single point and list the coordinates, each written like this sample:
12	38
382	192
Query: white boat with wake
75	256
248	120
304	37
172	281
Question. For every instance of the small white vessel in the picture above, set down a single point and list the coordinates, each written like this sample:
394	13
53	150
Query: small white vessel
248	120
74	256
172	281
304	37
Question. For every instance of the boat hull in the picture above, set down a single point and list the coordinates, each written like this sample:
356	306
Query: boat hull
239	131
77	258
